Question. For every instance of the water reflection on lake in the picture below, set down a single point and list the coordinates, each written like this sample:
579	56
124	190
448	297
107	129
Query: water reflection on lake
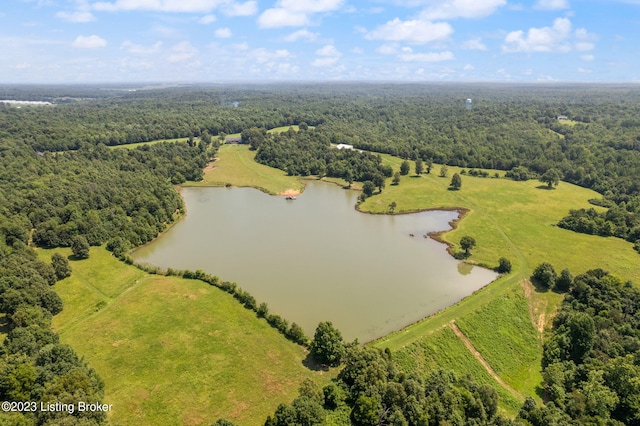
316	258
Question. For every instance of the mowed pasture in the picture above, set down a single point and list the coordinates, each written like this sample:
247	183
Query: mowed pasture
174	351
516	220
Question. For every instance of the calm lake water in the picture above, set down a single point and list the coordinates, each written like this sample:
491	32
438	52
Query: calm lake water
317	259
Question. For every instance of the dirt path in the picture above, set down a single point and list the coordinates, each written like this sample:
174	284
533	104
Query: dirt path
537	308
481	360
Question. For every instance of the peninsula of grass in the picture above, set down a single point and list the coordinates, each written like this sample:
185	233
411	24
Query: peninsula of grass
173	351
235	166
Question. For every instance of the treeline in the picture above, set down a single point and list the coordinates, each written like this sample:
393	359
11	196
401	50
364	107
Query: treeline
591	361
309	152
293	331
95	192
622	221
34	366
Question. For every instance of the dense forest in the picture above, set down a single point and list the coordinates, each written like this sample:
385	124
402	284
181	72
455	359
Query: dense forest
61	185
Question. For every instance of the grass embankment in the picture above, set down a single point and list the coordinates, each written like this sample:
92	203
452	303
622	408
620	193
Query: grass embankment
235	165
504	321
173	351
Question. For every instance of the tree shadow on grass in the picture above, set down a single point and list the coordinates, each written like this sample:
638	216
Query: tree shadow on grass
313	365
547	187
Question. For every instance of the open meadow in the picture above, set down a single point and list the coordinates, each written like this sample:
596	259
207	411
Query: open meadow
173	351
505	321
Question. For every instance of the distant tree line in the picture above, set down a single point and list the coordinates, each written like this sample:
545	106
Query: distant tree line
309	152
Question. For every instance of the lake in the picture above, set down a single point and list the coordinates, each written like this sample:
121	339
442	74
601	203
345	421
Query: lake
316	258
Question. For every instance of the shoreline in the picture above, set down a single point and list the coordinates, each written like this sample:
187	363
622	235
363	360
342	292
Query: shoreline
435	235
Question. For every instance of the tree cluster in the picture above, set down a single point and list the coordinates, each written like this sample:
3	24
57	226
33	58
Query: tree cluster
370	390
34	365
590	361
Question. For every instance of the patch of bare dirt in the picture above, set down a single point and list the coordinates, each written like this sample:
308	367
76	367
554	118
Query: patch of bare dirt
537	307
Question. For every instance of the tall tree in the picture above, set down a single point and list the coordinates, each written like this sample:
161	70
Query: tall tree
327	345
456	181
467	243
404	168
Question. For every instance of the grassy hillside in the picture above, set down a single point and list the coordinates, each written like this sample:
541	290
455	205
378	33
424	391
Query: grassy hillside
173	351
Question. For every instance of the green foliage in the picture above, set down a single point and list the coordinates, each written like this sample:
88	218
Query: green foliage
405	167
551	177
79	247
520	173
61	266
589	370
456	182
327	345
444	170
504	266
368	187
396	179
564	281
544	275
467	243
419	166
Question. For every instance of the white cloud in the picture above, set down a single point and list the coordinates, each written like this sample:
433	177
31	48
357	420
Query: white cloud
449	9
310	6
587	58
188	6
278	17
182	52
223	33
295	13
474	44
249	8
409	56
329	55
241	46
388	49
546	39
89	42
77	17
469	67
138	49
552	4
324	62
584	70
414	31
207	19
328	50
301	35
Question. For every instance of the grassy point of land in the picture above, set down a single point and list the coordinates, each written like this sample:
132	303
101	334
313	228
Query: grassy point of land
173	351
236	166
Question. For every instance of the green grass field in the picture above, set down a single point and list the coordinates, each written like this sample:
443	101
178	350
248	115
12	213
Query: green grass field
235	166
515	220
173	351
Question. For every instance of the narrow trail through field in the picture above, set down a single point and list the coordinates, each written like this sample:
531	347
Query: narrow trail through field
481	360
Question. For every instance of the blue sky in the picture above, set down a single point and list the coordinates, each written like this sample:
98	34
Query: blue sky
88	41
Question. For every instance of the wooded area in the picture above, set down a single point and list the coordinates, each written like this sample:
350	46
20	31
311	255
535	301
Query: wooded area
59	180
